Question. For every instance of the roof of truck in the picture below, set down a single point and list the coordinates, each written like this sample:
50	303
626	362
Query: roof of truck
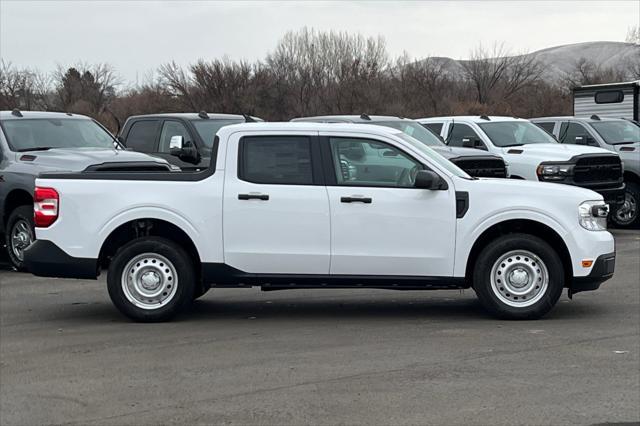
472	118
193	116
9	115
302	126
363	118
570	117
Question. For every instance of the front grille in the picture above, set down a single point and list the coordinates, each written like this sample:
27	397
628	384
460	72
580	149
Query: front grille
604	169
482	167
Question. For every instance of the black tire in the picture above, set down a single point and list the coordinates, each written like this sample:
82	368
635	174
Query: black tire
632	202
183	270
199	291
545	298
20	215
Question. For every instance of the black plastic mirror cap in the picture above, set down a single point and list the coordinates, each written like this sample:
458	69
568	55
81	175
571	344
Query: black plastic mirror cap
426	179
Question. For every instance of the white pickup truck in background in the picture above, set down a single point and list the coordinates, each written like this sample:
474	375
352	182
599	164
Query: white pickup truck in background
534	154
281	207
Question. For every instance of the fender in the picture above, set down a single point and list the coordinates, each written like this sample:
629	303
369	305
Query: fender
152	212
464	246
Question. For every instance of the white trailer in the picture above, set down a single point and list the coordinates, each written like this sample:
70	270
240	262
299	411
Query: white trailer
617	100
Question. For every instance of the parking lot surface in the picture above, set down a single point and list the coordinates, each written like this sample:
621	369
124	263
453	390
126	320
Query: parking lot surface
320	357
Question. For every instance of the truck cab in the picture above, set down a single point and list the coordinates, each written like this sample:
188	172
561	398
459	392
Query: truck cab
183	139
534	154
618	135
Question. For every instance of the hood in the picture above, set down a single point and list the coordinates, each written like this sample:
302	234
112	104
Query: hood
515	188
551	151
450	152
78	159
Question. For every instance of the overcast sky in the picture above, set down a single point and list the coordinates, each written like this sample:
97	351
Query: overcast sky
137	36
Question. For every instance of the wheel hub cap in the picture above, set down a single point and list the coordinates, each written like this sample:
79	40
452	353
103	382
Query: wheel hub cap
149	281
519	278
21	238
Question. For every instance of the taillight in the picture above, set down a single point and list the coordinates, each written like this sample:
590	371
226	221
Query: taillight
45	206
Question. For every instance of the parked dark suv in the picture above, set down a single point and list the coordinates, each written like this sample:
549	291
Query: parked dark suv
468	159
183	139
36	142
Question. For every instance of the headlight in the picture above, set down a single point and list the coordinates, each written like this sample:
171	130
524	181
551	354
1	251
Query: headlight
554	171
592	215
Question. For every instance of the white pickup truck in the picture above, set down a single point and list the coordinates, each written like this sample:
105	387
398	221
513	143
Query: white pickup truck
534	154
281	207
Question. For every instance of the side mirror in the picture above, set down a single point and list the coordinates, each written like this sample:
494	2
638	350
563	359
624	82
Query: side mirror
186	151
470	142
426	179
175	144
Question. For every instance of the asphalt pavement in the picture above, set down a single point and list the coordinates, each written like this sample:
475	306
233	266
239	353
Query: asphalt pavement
243	356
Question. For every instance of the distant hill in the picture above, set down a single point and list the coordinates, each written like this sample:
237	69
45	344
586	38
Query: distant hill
559	60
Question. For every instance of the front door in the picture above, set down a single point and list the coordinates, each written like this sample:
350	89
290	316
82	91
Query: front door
276	209
380	223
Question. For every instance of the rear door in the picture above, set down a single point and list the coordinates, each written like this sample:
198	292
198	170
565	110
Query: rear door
380	223
276	208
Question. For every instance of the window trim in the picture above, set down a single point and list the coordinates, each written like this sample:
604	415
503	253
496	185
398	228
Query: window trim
330	169
317	173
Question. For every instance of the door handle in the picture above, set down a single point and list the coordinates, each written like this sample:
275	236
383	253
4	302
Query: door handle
263	197
365	200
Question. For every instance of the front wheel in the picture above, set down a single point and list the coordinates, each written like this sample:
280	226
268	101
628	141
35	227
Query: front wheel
628	215
518	276
151	279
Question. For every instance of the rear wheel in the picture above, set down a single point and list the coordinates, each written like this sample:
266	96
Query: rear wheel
518	276
628	215
151	279
19	235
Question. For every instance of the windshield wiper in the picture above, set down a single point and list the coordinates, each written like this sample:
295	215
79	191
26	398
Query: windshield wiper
36	148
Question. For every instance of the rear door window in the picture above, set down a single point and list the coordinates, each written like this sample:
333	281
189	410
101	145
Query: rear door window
547	125
276	160
434	127
143	136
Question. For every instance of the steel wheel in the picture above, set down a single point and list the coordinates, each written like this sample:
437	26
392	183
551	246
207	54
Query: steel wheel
519	278
627	212
149	281
21	237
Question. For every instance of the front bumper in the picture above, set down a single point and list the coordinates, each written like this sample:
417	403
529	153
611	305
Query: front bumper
601	271
612	196
45	259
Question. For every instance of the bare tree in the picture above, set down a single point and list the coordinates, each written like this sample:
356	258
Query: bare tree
633	34
585	71
496	75
22	88
86	89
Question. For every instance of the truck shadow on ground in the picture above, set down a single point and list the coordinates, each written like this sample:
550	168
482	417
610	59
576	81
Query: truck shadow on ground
423	309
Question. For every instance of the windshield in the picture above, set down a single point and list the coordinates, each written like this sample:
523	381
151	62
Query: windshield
207	129
46	133
617	132
513	133
413	129
434	156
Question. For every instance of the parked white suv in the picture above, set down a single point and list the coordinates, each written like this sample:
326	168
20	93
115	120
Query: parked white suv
534	154
281	207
